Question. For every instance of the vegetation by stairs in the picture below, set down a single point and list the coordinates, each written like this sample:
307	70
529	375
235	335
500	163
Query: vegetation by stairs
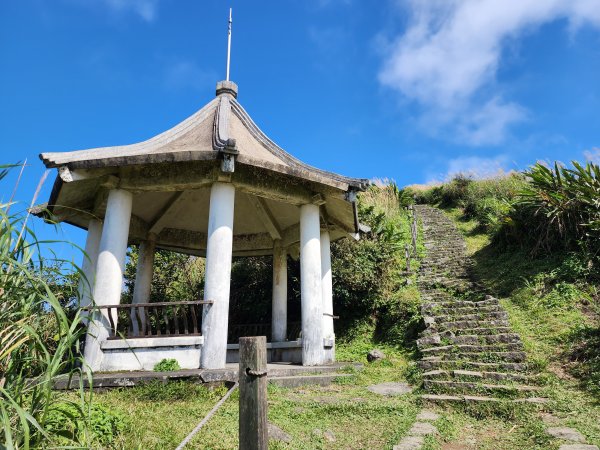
469	352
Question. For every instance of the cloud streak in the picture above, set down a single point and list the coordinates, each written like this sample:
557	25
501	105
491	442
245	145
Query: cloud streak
145	9
447	60
186	74
475	167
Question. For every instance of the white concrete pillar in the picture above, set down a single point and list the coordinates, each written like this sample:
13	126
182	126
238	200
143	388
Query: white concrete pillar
310	286
217	275
327	293
279	308
109	271
88	265
143	279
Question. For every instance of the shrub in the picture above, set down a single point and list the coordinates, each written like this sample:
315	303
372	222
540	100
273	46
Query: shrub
167	365
489	201
176	277
368	278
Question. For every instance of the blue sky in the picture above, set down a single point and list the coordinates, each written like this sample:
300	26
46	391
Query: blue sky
409	90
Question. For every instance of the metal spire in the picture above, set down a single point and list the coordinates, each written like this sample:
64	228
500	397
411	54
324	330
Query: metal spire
229	45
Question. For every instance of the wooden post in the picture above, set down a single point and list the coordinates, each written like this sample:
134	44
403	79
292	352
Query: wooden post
407	254
253	393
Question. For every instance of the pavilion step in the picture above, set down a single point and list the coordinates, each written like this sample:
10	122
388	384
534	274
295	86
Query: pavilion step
471	375
293	370
306	380
465	387
439	364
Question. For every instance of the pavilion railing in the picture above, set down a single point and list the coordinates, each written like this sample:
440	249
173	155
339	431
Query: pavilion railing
260	329
159	319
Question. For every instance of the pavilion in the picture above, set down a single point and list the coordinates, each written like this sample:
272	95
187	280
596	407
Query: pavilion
216	186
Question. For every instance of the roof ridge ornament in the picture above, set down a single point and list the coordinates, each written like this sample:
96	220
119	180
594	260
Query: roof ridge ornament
227	87
222	142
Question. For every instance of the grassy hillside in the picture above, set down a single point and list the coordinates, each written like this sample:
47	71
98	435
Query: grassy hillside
549	288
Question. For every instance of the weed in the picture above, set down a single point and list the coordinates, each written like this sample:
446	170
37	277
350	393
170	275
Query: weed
167	365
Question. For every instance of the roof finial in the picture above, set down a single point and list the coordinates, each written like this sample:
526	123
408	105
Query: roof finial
229	45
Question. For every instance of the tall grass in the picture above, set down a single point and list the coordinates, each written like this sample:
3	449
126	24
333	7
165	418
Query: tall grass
38	342
544	208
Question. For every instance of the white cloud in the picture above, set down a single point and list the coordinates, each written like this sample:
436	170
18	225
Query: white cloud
448	57
592	155
187	74
146	9
476	167
327	3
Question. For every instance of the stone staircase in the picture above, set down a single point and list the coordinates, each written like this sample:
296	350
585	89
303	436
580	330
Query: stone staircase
469	352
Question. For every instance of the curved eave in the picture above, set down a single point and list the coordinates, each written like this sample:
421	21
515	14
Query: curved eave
296	164
139	153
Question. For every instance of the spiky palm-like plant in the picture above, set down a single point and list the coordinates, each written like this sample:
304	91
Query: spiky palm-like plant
562	205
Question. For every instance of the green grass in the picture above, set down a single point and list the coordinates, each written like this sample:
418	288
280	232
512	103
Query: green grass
159	416
474	237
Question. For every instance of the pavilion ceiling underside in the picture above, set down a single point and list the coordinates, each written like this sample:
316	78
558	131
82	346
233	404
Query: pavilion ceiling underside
179	218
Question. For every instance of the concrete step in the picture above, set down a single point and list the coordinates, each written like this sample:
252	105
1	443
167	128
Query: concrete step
469	352
306	380
467	388
485	315
478	348
483	331
473	375
478	331
440	364
454	311
508	356
228	374
470	324
455	303
442	398
437	339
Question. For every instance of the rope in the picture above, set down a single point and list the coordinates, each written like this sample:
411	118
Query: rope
207	418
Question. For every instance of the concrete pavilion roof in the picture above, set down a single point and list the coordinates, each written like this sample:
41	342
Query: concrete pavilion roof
170	176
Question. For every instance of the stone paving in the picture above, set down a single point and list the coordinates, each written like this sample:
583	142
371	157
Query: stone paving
421	428
576	439
390	388
469	352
